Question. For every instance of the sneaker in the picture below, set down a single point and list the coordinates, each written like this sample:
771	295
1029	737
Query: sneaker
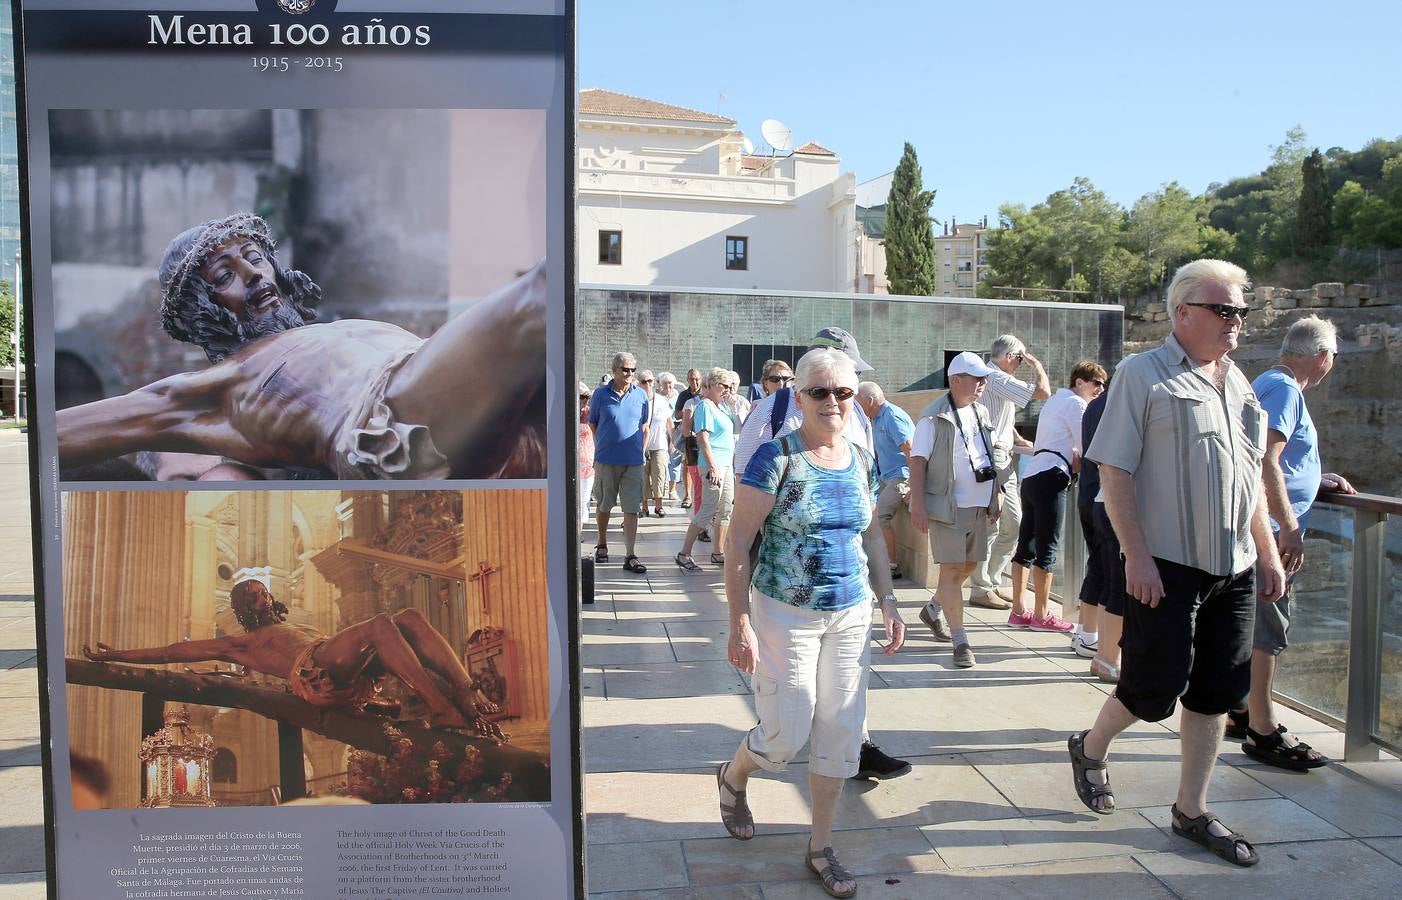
1004	593
1083	647
1051	623
988	601
1104	671
938	626
873	765
964	656
1019	620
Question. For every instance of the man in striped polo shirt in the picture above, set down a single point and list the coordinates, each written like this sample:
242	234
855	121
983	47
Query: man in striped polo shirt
1179	449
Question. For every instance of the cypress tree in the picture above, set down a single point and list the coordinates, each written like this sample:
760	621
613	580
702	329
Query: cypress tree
910	238
1312	215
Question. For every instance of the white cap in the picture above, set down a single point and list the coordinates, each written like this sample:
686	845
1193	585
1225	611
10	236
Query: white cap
968	363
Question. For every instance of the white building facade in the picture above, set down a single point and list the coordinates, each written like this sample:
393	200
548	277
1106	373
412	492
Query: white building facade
667	196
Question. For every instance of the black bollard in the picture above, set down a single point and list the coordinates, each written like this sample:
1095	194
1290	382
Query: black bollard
586	580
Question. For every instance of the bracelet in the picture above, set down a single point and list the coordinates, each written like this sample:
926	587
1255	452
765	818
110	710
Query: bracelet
885	597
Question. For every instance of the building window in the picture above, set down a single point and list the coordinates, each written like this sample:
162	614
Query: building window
737	252
610	248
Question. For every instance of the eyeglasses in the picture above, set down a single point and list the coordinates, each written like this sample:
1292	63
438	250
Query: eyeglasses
1225	311
1098	383
627	371
778	379
647	381
842	394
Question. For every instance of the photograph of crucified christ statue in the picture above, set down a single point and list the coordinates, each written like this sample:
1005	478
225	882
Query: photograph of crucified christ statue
276	300
320	644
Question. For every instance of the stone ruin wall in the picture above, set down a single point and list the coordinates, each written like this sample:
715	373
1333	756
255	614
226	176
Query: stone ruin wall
1358	408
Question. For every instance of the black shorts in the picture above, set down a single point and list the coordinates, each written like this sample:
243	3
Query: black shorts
1104	584
1195	645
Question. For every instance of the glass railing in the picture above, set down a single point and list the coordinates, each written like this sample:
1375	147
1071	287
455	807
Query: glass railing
1344	664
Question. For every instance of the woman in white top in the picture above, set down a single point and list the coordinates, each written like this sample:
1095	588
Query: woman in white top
1056	459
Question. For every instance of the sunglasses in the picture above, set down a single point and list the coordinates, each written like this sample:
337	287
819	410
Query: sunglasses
778	379
1225	311
627	371
842	394
1098	383
647	381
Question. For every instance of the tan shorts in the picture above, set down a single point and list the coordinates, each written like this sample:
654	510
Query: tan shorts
965	541
716	501
891	498
618	484
655	474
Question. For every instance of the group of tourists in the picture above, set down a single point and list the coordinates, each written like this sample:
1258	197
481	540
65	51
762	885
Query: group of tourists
1192	484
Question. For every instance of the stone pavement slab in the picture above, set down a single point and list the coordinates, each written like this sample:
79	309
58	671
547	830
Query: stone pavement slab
989	794
1344	868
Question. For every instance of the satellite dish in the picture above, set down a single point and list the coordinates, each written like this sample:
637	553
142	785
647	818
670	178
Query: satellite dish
776	134
748	147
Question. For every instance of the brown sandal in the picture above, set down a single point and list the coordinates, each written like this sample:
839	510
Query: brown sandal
735	814
832	874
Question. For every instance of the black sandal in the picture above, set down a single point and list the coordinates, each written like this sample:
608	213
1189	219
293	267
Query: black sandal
1271	750
718	558
735	814
832	874
631	564
1087	790
601	553
1238	722
1224	845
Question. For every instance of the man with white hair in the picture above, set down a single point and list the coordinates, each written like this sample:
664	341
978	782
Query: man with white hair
1004	396
891	430
1180	449
1291	476
619	413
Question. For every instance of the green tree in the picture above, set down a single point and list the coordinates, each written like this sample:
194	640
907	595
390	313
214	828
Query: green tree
910	238
1312	212
1085	226
1164	228
7	324
1019	251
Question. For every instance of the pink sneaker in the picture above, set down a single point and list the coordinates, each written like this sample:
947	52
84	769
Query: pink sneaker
1050	623
1019	621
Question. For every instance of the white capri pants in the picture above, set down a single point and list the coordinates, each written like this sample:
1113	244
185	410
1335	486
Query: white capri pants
810	682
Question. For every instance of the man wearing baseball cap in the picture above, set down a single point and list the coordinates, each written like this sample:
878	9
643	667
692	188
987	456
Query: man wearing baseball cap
759	428
954	493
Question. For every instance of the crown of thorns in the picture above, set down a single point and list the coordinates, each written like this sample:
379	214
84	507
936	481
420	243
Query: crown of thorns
241	225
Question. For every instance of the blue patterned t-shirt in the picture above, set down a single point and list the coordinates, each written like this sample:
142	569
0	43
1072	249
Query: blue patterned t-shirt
811	554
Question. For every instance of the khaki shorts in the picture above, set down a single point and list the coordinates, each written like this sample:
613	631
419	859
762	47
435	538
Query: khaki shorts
655	473
621	484
891	498
716	501
965	541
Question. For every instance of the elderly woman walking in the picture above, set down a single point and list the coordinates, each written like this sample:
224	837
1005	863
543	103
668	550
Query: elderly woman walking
715	442
1056	458
802	628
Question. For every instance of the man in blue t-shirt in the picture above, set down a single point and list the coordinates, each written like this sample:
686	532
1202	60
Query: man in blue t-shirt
891	431
1291	476
618	415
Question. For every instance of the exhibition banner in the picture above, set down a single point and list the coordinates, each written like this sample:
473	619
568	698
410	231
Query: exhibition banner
299	283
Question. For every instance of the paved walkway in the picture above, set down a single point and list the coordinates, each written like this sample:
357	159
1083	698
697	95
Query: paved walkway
21	806
989	809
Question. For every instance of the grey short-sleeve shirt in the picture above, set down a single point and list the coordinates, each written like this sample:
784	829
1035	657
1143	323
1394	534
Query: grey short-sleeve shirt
1195	454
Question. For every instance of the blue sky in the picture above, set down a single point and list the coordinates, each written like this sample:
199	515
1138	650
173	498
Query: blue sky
1009	101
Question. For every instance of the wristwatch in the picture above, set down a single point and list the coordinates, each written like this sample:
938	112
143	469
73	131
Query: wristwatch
885	597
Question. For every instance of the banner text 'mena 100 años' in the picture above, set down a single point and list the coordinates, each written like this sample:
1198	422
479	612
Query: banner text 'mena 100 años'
174	30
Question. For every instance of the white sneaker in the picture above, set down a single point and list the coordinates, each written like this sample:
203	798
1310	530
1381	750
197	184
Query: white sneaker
1084	647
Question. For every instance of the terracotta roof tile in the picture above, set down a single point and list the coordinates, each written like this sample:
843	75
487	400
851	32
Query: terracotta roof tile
599	102
815	149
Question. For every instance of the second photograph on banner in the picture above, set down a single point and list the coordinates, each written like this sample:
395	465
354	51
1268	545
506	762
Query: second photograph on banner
339	294
259	648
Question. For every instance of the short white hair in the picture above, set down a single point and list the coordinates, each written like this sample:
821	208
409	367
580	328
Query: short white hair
1006	345
717	376
870	390
1310	337
822	361
666	378
1192	278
